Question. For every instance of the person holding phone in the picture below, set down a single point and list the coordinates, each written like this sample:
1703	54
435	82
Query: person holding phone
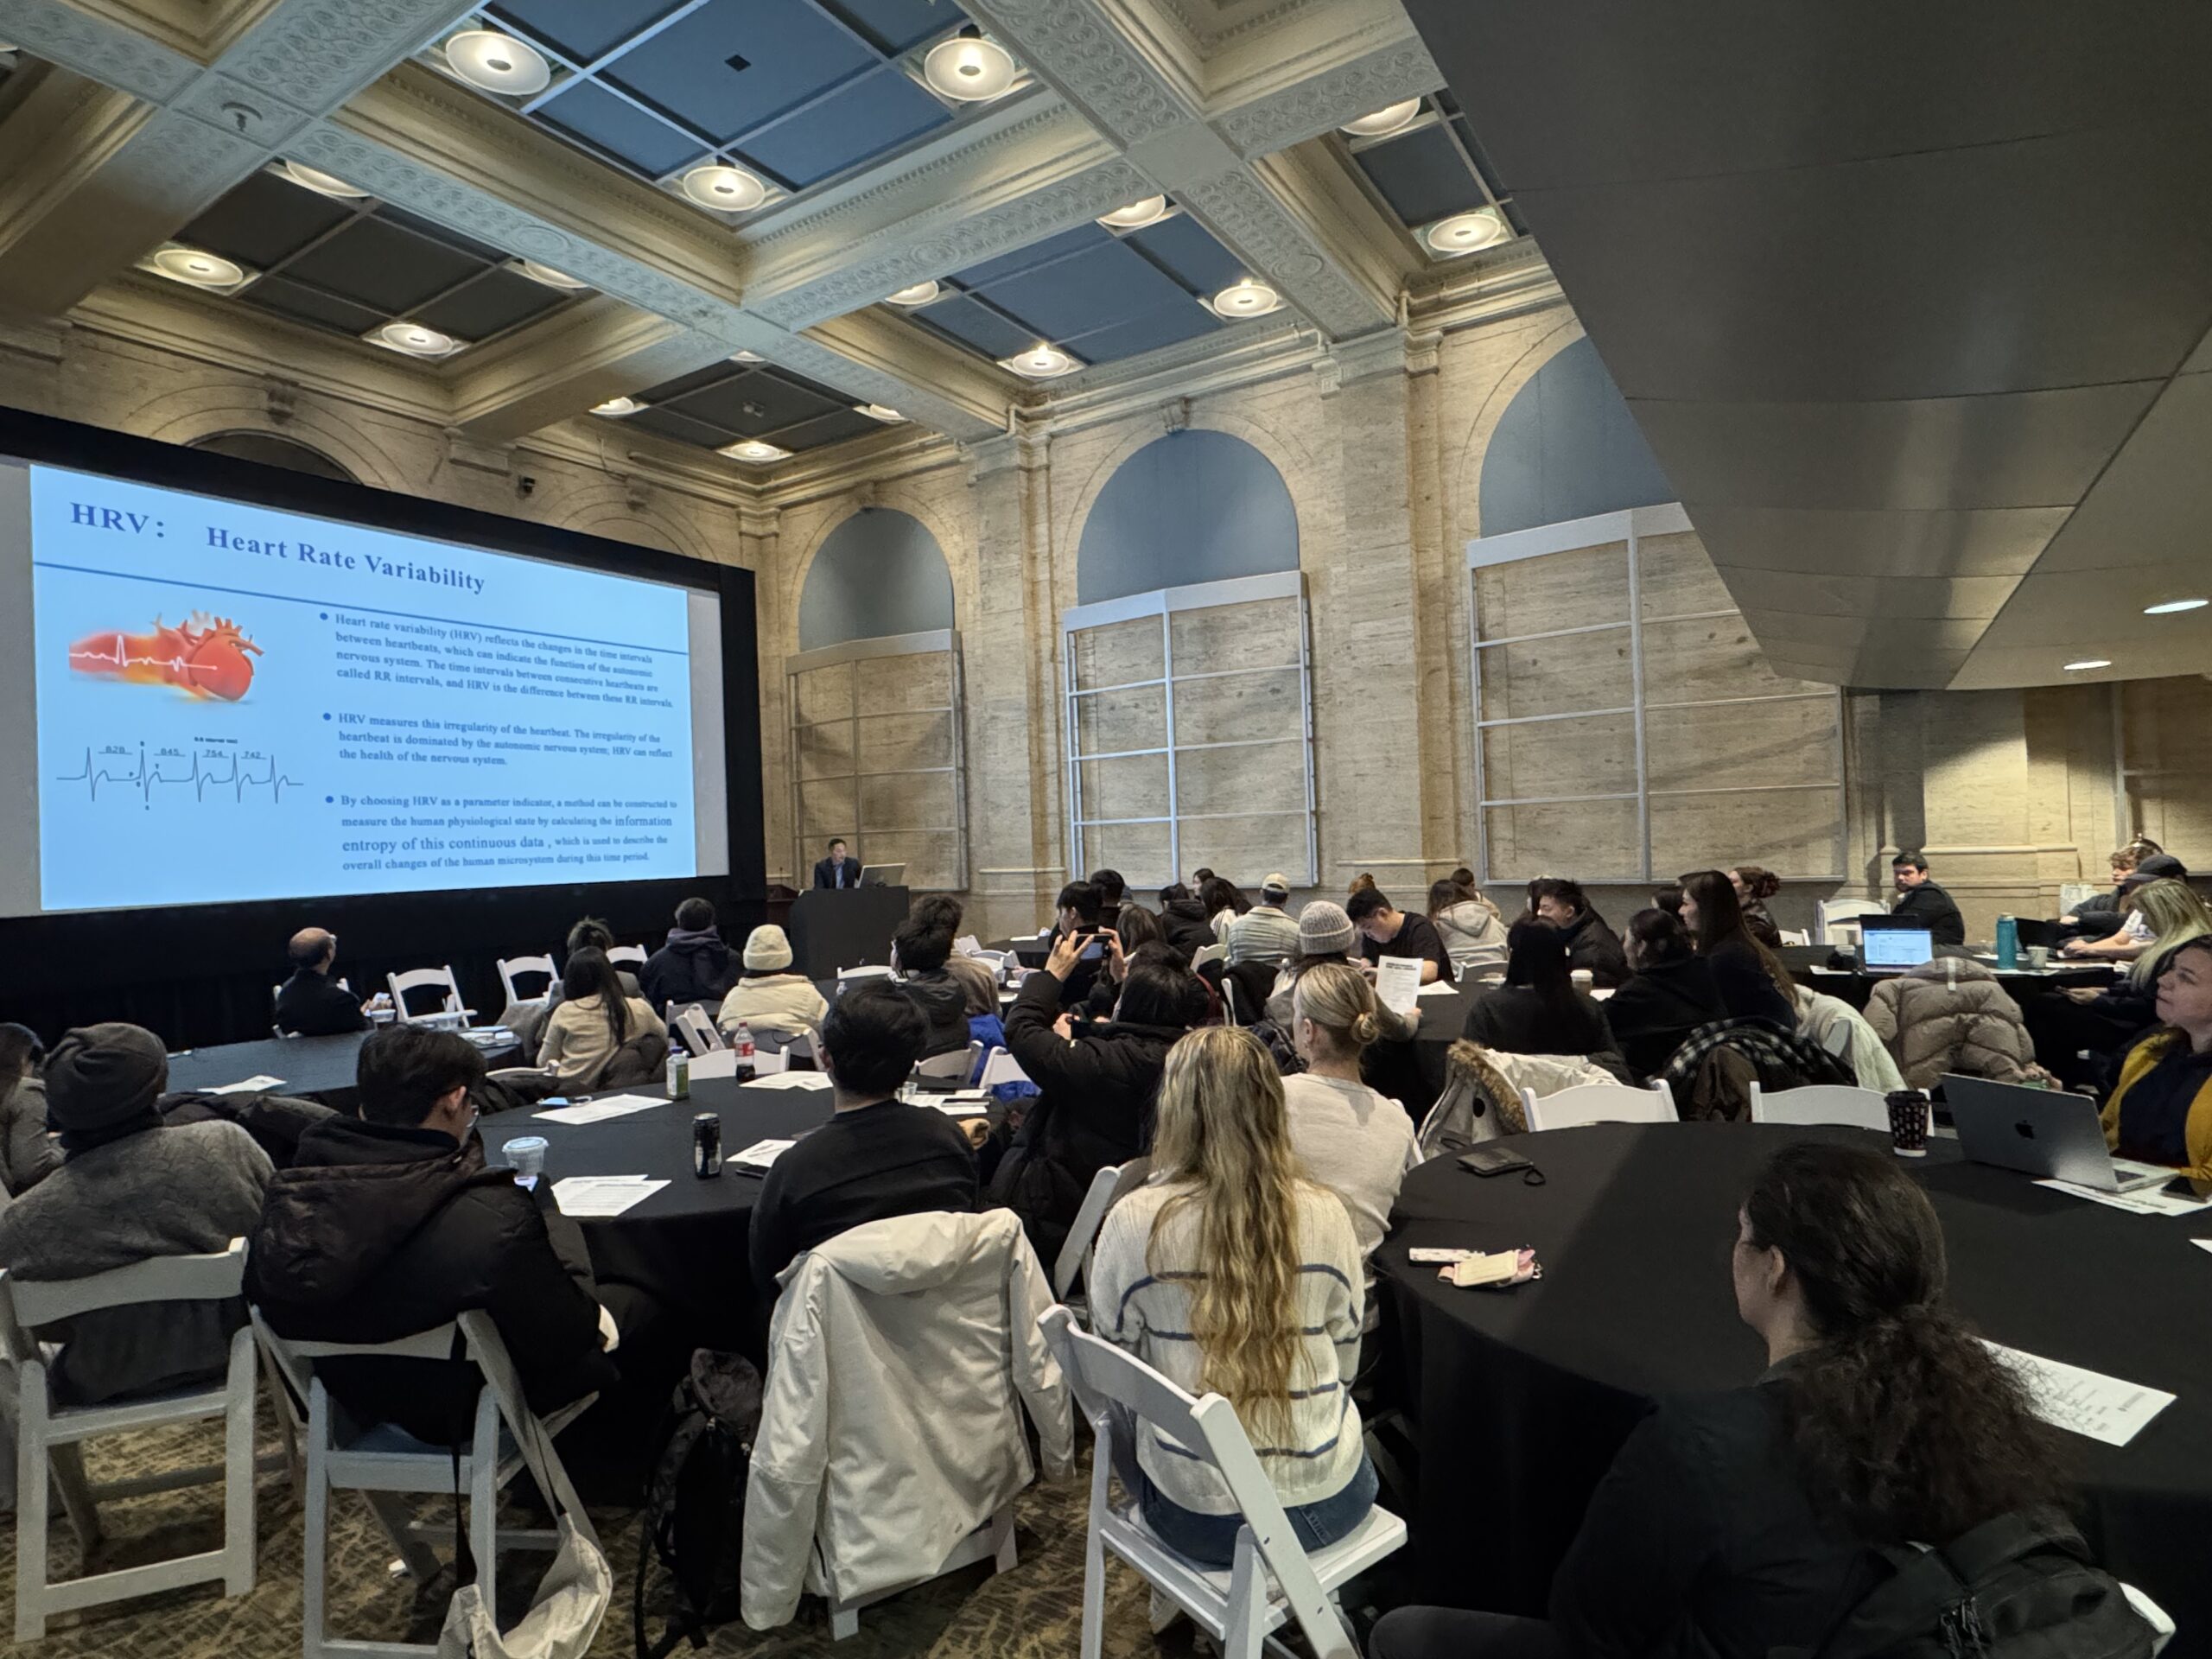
1076	916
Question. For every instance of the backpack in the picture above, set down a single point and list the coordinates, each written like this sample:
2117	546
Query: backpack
694	1520
2022	1586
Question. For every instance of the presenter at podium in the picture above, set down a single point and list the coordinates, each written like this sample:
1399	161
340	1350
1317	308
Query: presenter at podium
840	869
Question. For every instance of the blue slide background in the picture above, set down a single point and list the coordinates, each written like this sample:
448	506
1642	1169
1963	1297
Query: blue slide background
513	721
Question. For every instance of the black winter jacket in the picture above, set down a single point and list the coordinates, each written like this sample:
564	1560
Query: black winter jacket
376	1232
943	1003
1187	926
690	968
1512	1020
1657	1008
1590	943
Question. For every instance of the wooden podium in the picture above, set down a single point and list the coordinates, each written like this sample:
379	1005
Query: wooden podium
844	927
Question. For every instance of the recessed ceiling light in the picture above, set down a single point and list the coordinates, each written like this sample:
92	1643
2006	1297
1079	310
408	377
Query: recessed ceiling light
2087	662
198	268
2170	606
968	68
1040	362
1392	117
1466	232
727	189
1138	214
747	357
415	339
915	294
879	412
753	449
1245	298
550	277
499	63
322	183
617	406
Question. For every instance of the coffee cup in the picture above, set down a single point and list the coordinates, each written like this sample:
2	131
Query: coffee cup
1584	978
1907	1122
525	1155
2038	956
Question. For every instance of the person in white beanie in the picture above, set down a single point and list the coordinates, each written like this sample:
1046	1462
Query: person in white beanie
770	996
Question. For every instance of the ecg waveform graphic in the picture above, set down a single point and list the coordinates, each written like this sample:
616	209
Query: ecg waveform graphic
203	774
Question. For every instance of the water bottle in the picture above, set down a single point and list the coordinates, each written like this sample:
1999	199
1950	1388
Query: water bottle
747	1063
2008	943
679	1074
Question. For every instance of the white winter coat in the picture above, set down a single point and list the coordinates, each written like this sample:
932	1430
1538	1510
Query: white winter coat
1819	1013
890	1427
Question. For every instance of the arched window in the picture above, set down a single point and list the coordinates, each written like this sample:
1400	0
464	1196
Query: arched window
875	696
271	450
1188	679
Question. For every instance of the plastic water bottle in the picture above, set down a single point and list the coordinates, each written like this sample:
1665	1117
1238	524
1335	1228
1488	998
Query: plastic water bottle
2008	943
679	1074
747	1066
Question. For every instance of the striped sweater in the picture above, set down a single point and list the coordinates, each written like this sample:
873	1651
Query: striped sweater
1145	1308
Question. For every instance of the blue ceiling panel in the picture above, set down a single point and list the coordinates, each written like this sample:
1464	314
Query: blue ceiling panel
880	112
899	24
1423	177
582	28
1073	296
1168	325
1188	250
977	327
603	122
1037	253
734	63
724	401
673	423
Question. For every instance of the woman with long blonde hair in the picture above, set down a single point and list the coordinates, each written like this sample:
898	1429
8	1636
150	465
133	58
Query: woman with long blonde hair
1232	1272
2161	913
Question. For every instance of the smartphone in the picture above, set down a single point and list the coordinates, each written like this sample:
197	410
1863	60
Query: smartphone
1493	1160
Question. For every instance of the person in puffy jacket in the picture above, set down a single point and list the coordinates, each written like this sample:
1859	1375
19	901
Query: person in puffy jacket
693	966
1950	1015
1184	921
919	950
769	996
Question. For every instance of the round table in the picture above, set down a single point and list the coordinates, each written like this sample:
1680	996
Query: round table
1519	1399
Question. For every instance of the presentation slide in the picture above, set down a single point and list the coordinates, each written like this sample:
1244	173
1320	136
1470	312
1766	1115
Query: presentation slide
234	703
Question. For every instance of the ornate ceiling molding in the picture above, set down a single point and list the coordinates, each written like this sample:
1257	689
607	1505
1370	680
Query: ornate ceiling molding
1262	119
1096	67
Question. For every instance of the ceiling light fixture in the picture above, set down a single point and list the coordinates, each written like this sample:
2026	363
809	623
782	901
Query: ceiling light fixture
1040	362
888	416
550	277
1392	117
914	294
493	63
747	357
2088	663
322	183
1138	214
2171	606
1466	232
617	406
755	450
969	68
1245	298
726	189
415	339
198	268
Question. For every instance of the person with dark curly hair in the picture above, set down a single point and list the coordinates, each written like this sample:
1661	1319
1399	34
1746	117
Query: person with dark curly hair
1734	1524
1755	884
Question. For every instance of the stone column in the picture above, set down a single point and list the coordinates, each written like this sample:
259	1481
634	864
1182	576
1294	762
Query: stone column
759	549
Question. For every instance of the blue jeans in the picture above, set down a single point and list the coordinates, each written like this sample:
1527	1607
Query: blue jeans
1211	1539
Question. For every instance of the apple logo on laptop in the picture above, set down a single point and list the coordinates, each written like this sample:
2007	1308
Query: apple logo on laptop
2024	1129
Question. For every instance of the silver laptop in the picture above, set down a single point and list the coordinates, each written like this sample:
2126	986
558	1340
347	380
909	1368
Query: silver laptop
2043	1133
1894	950
883	875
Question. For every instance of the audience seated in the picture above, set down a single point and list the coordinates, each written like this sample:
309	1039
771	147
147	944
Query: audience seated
2159	911
1224	901
1750	979
1325	934
1950	1015
28	1153
311	1003
1591	945
2081	1031
1184	920
1353	1141
693	966
1820	1015
1387	931
1229	1271
1097	1082
2100	915
1473	931
919	951
2161	1110
1921	899
391	1223
1111	890
1539	1010
877	1156
976	978
590	933
130	1188
593	1021
769	995
1265	932
1669	993
1364	882
1735	1525
1135	928
1076	916
1754	886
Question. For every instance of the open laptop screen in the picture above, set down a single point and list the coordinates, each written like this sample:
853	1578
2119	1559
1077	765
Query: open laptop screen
1895	947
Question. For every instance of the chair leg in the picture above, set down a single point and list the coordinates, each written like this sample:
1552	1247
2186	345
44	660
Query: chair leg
1004	1558
845	1623
1244	1629
390	1510
238	1471
1094	1551
31	1502
313	1636
68	1464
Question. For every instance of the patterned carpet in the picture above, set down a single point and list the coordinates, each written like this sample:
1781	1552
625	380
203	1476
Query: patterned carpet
1034	1612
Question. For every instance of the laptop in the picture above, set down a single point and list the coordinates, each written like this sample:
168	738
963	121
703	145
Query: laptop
883	875
1885	948
2042	1132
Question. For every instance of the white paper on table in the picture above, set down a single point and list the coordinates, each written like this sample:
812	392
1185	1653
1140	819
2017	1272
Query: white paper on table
1438	989
602	1195
2201	1243
593	1111
761	1153
252	1085
2149	1202
1397	983
792	1080
2088	1402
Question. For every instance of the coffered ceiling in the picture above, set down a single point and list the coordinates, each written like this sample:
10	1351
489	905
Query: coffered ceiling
692	214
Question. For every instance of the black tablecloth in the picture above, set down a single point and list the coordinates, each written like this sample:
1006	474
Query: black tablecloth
1521	1398
319	1068
1807	964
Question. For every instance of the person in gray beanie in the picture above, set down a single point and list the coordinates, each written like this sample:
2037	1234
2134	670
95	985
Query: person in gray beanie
1325	934
129	1189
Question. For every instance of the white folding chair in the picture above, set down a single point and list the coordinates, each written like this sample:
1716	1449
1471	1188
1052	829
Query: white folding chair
1272	1580
959	1063
1833	911
1083	1232
48	1437
2160	1621
1826	1102
1599	1102
1795	936
1206	953
449	1011
1001	1067
632	956
383	1464
510	966
866	970
696	1027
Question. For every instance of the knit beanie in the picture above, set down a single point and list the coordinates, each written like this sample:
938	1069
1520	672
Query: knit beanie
103	1080
1324	928
766	948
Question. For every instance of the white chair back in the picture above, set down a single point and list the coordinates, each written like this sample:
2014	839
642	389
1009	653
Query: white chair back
1795	936
1827	1102
1206	953
866	970
1001	1067
1598	1102
695	1027
510	966
449	1011
959	1063
1089	1216
160	1278
1842	910
632	956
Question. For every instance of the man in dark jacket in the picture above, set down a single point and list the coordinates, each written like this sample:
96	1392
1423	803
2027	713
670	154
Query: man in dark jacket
1098	1085
694	966
311	1003
919	951
1184	920
1920	897
391	1223
840	869
1590	944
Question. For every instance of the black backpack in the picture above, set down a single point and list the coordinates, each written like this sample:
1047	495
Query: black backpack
694	1503
2022	1586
